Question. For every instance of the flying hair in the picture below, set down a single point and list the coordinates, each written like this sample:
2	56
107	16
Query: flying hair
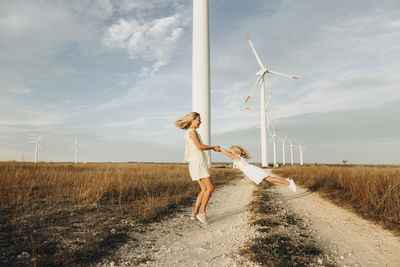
240	151
186	121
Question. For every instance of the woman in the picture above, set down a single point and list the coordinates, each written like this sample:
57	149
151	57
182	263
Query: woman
198	168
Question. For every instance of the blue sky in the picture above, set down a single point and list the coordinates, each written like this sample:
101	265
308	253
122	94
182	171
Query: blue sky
118	73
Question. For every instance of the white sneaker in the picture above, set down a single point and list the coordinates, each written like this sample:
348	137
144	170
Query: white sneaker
292	185
202	218
193	217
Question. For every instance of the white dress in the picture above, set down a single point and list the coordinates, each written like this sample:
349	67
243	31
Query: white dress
253	172
197	158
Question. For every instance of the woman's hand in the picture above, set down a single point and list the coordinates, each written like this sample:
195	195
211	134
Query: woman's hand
217	148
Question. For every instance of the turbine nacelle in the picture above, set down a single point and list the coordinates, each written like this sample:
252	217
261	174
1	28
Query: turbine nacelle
262	72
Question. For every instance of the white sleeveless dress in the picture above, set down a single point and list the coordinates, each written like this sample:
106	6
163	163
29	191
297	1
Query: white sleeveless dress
197	158
253	172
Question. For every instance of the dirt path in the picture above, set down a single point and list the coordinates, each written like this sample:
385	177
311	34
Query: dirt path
345	238
351	240
179	241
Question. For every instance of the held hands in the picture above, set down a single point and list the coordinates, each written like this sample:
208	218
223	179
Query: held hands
217	148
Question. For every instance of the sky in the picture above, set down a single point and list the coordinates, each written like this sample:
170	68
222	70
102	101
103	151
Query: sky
117	74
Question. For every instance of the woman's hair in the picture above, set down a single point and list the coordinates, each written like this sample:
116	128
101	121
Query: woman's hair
240	151
186	121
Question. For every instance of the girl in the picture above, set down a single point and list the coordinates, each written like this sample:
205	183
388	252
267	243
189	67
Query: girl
198	168
256	174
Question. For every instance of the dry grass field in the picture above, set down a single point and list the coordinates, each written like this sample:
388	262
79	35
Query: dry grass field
371	191
58	214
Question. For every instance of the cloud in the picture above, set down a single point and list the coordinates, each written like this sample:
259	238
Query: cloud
155	40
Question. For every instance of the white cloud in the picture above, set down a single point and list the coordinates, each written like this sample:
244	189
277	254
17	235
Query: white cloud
154	40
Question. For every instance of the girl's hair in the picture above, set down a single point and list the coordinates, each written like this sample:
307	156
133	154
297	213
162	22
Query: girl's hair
186	121
240	151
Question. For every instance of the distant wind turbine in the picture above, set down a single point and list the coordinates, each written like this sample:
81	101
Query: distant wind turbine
37	147
260	74
291	151
273	135
283	149
301	149
76	146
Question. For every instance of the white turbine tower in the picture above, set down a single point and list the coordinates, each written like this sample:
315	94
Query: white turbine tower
273	135
283	149
76	146
260	74
201	69
291	152
301	149
37	147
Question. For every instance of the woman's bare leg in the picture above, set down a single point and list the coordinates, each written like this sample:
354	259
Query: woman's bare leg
276	180
199	197
207	194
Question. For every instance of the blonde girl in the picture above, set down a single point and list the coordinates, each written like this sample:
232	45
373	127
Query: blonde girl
256	174
198	168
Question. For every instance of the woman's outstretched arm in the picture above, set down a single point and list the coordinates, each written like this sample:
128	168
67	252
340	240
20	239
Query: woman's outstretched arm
196	141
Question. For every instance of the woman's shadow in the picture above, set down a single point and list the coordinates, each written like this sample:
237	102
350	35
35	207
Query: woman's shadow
227	214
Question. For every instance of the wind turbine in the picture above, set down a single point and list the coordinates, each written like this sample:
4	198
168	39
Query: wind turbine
283	149
273	135
260	74
76	146
201	69
291	151
301	149
37	147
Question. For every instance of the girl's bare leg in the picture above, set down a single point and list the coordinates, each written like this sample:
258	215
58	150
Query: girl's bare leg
207	194
199	197
276	180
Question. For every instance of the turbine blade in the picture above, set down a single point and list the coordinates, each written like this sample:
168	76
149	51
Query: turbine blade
255	52
269	99
271	120
254	87
282	74
270	132
252	109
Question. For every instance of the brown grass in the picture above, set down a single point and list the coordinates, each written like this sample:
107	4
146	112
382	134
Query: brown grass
373	192
74	214
146	188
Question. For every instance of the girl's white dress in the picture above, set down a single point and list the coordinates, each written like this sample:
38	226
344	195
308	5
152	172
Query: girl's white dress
197	158
253	172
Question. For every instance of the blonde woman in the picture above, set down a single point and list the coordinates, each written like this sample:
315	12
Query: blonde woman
197	158
254	173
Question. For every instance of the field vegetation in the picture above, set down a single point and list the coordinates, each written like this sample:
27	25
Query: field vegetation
57	214
371	191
